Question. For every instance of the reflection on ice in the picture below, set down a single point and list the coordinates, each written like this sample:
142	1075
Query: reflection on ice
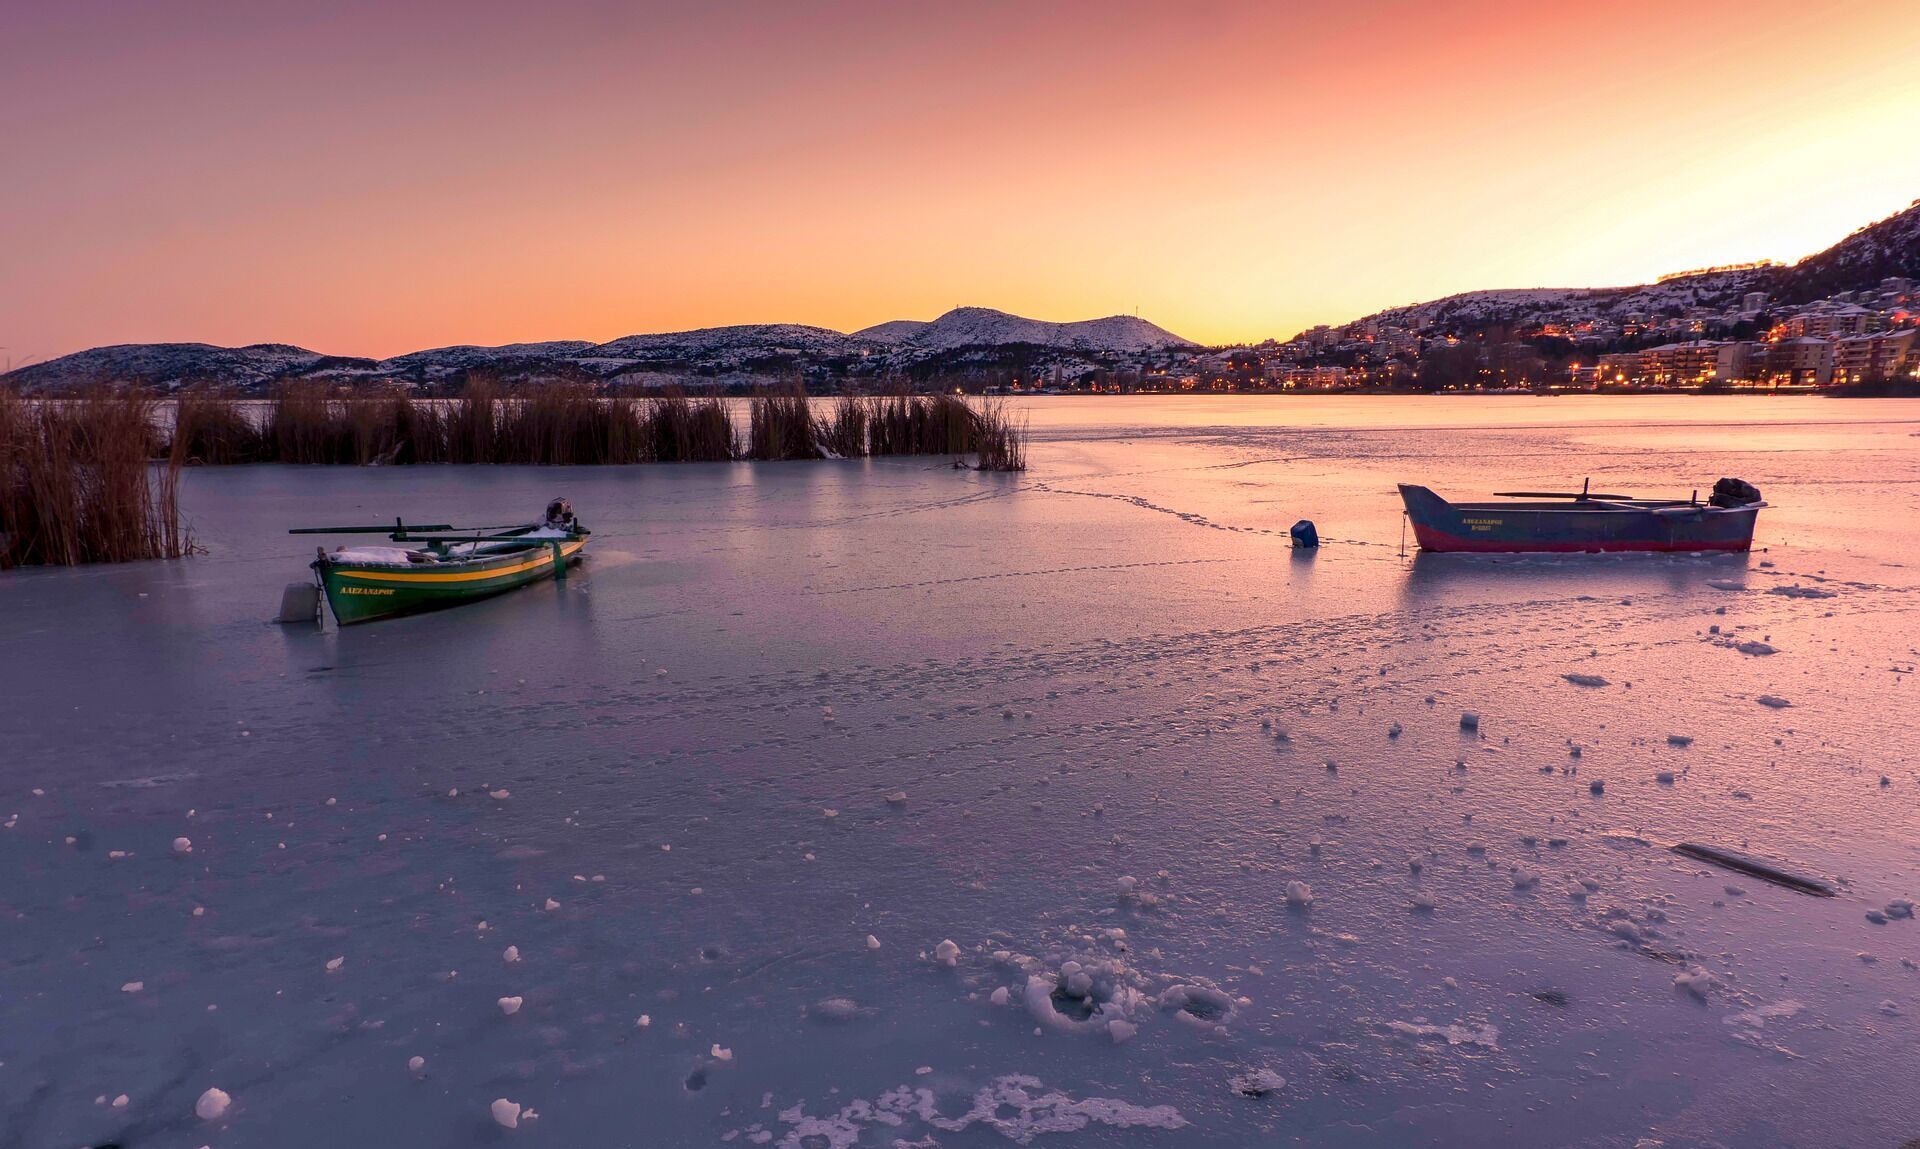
1078	808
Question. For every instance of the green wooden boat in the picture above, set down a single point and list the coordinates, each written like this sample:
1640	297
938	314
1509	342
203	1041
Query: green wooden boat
445	566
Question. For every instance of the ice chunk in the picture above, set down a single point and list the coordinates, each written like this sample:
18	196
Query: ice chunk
334	965
416	1063
212	1105
510	954
873	943
1695	980
1198	1004
183	845
1121	1031
1299	894
836	1009
1454	1034
506	1113
947	953
133	987
1257	1083
510	1005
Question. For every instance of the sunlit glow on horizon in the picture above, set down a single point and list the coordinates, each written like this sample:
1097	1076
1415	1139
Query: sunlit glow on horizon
370	180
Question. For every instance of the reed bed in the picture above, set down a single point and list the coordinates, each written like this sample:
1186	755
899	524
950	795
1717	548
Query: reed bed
843	432
780	426
680	429
568	423
78	483
210	428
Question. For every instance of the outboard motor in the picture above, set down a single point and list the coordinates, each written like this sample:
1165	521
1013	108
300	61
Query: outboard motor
1734	493
560	515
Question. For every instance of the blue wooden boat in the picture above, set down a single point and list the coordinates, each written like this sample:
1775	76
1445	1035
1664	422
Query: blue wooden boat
1569	523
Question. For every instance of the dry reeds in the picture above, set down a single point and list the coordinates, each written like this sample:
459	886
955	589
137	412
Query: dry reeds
77	484
780	426
999	436
843	433
948	425
567	423
214	430
689	430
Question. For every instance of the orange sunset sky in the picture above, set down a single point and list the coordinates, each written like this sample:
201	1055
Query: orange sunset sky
377	178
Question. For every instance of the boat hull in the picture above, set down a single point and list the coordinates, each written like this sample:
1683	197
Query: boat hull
362	592
1494	528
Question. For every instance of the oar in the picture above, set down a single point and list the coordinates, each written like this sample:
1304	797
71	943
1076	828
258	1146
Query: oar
384	529
1555	495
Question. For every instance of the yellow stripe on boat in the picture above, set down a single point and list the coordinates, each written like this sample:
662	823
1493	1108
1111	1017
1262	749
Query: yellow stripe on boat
567	550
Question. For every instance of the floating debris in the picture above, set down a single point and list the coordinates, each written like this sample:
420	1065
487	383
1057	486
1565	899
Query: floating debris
1753	867
1586	680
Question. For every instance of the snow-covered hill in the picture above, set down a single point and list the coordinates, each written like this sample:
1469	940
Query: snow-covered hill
748	338
1888	248
169	365
1476	310
446	362
712	352
985	327
892	331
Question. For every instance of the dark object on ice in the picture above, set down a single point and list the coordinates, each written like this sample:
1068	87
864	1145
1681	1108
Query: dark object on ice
1734	493
1754	867
1570	523
1304	535
300	603
1553	997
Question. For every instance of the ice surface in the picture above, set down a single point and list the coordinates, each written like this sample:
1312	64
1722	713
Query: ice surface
1489	957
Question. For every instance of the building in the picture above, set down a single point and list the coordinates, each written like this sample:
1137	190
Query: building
1739	361
1877	358
1828	322
1800	362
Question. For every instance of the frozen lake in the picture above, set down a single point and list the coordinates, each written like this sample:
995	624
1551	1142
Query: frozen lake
1089	725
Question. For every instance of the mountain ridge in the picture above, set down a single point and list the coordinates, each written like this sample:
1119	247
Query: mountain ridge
965	337
737	347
